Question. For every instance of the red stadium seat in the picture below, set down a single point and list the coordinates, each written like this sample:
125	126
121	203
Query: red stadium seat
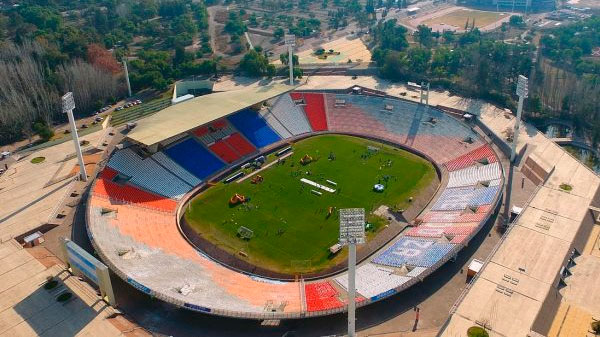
321	296
201	131
468	159
130	194
295	95
315	111
108	173
220	124
240	144
221	149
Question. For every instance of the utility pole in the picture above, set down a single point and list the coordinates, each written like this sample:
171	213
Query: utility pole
68	105
522	92
290	42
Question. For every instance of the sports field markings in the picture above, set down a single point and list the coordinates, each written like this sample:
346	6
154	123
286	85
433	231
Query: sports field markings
312	183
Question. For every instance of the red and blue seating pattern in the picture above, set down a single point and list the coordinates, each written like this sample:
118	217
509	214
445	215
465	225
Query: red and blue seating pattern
454	218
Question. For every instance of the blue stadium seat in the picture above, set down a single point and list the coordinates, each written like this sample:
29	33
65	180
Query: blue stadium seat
254	128
483	196
193	157
147	174
414	252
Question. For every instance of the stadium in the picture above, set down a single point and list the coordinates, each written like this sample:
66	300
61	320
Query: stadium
189	201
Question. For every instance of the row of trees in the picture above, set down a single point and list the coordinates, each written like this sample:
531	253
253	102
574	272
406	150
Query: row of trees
470	63
30	90
67	27
567	78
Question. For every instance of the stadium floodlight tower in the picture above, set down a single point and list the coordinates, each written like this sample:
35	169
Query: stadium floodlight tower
522	92
352	232
290	42
68	105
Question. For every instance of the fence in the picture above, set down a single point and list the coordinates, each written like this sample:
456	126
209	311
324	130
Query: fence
139	111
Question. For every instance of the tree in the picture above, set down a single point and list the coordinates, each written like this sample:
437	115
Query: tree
256	64
88	83
102	59
419	59
284	58
235	26
516	21
42	17
388	35
448	36
278	33
172	8
43	130
370	7
424	36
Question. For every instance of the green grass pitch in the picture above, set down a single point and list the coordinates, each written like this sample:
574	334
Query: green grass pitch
291	227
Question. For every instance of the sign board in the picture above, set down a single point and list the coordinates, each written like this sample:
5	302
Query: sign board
68	102
290	40
82	263
352	226
522	89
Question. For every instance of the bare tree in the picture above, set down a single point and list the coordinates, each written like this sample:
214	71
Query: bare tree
88	83
25	95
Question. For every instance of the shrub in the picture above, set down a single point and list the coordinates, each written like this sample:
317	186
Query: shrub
477	331
43	131
596	327
565	187
64	297
51	284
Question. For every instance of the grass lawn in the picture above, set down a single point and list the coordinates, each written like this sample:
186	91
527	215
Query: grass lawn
292	229
38	160
459	17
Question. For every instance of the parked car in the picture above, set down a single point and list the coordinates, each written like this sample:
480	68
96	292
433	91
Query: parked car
119	108
98	119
